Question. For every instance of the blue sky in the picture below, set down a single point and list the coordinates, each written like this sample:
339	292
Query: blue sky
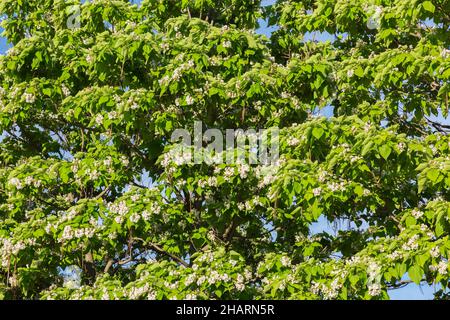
409	292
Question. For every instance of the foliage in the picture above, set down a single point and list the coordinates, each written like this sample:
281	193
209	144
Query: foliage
88	179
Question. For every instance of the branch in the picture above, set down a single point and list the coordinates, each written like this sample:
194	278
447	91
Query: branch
101	194
158	249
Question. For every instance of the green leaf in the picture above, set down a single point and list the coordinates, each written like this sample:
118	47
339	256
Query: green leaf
415	274
427	5
385	151
359	71
433	174
318	132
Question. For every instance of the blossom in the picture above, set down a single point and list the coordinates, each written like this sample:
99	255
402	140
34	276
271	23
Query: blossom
226	44
434	252
322	176
201	280
292	142
99	119
374	289
112	115
445	53
417	214
134	218
317	191
29	97
350	73
285	261
240	286
442	267
354	158
395	255
120	208
401	146
411	244
67	233
189	100
243	171
65	90
15	182
89	58
229	172
124	161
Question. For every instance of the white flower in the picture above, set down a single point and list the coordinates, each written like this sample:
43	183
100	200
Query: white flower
322	176
151	295
189	279
201	280
212	181
292	142
112	115
189	100
93	175
125	161
89	58
146	215
401	146
395	255
48	228
225	277
317	191
285	261
373	270
226	44
67	233
155	208
442	267
417	213
29	97
229	172
374	20
435	252
445	53
13	281
374	289
108	161
354	158
285	95
240	286
15	182
65	90
79	233
134	218
99	119
411	244
350	73
243	171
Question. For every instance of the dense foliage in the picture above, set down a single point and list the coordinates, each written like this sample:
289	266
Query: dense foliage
94	203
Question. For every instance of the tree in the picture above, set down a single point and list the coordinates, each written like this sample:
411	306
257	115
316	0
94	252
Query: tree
95	203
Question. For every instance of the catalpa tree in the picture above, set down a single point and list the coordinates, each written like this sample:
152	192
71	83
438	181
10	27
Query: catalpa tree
96	201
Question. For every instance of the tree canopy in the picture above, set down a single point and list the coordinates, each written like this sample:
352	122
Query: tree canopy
94	203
